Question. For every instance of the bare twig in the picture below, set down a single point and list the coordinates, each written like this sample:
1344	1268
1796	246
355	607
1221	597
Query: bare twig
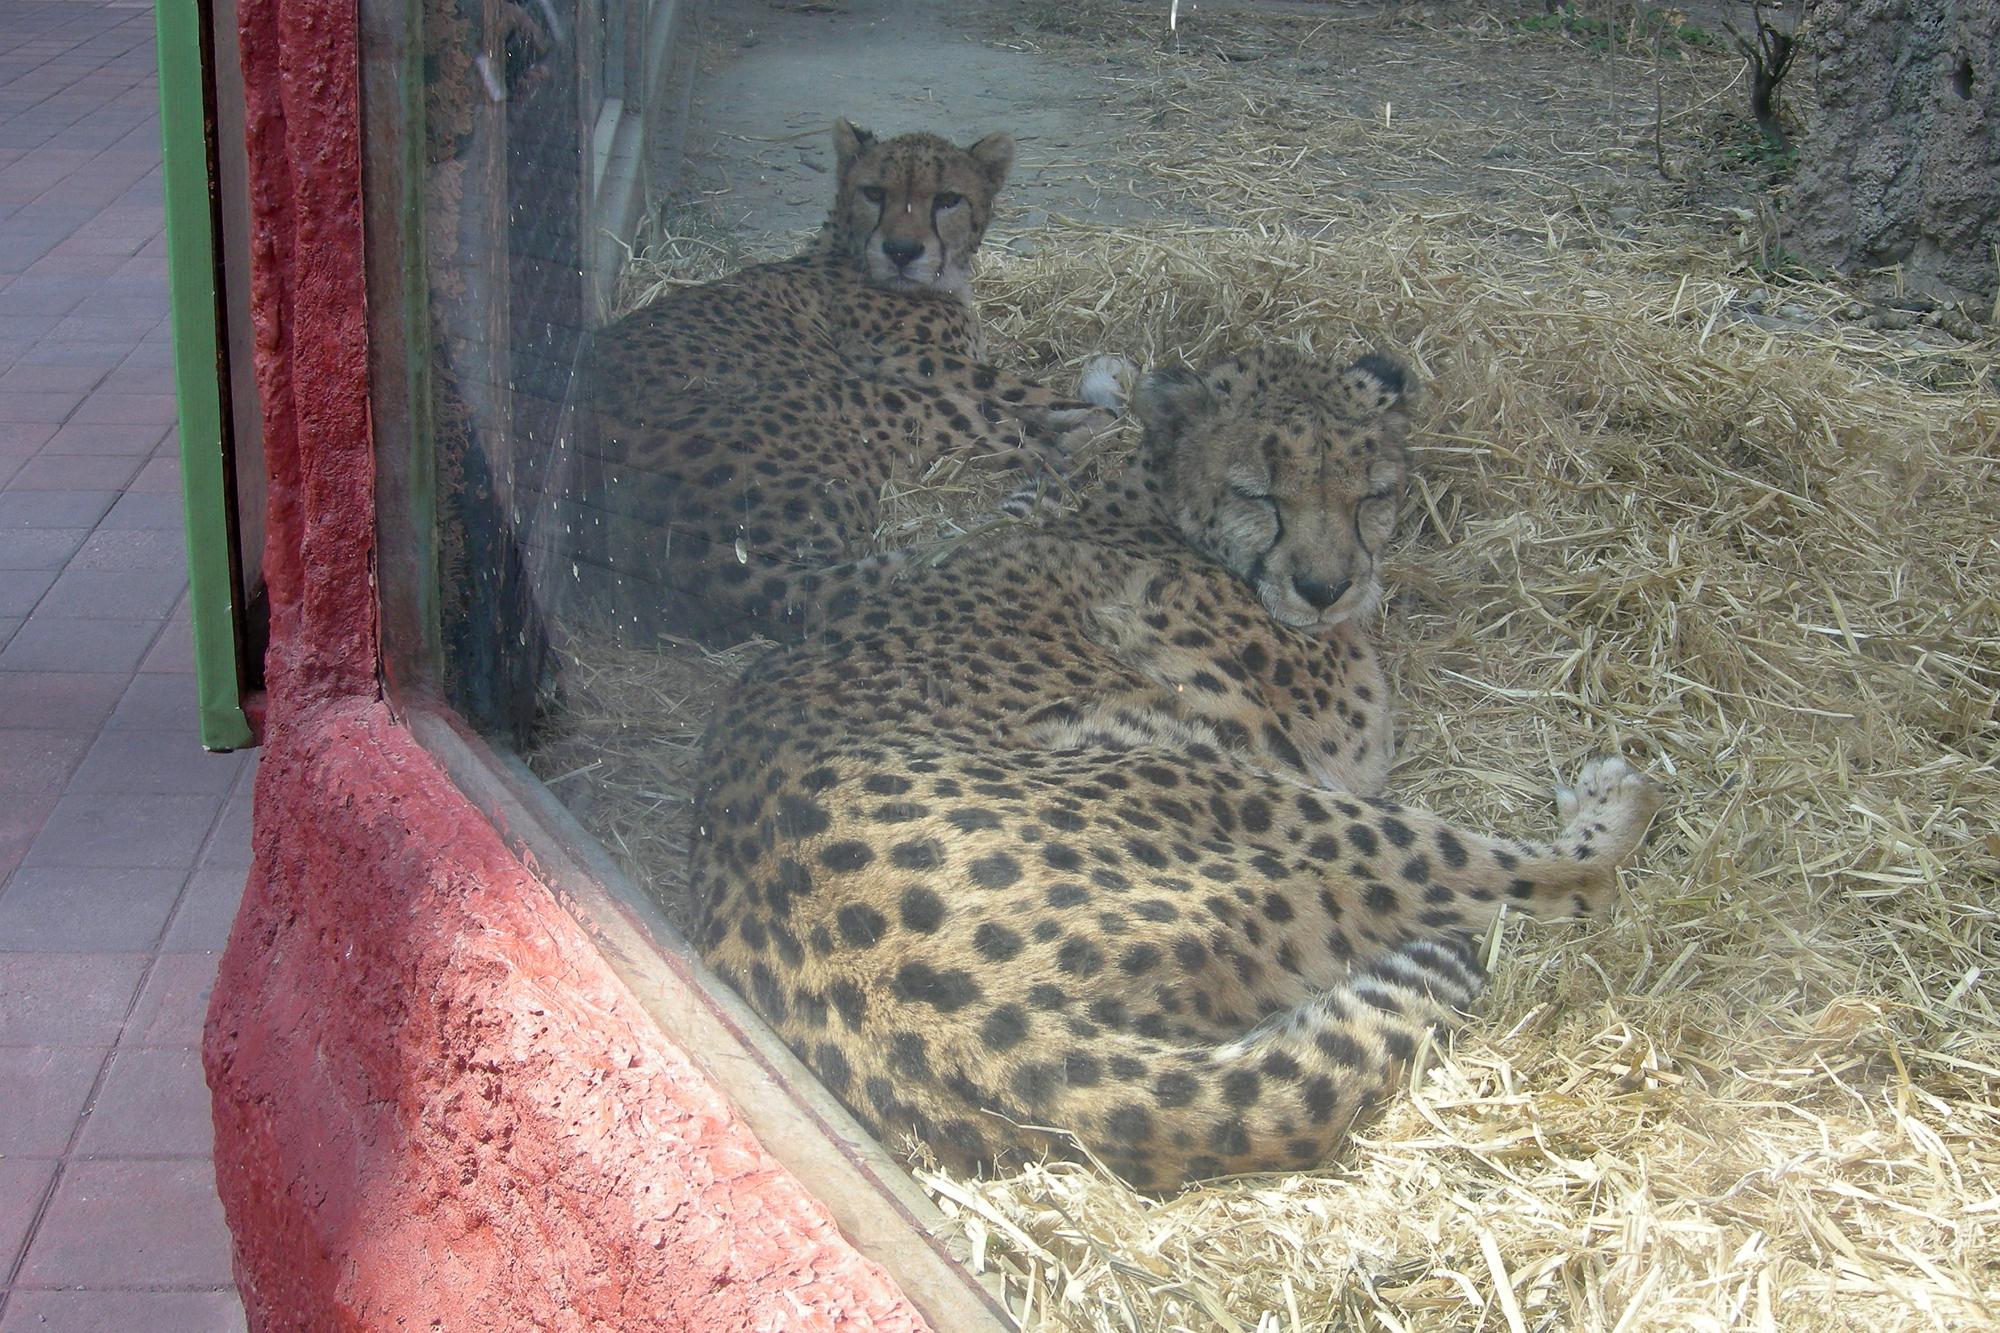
1770	56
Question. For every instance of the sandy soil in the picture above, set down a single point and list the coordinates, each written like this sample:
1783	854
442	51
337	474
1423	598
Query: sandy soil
775	75
1550	112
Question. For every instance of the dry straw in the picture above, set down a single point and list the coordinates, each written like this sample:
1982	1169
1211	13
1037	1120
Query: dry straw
1766	564
1761	556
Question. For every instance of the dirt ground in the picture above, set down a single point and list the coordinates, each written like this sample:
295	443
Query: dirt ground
776	74
1627	116
1512	103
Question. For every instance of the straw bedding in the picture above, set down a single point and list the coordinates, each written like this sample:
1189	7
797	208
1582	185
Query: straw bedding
1760	555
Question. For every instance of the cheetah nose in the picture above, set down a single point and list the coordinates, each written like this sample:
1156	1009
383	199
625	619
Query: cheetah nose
902	253
1320	595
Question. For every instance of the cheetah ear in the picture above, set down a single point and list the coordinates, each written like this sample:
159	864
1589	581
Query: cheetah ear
994	154
1166	398
1378	381
849	141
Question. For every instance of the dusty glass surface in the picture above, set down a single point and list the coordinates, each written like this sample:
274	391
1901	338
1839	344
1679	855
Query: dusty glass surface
1033	780
1013	775
604	535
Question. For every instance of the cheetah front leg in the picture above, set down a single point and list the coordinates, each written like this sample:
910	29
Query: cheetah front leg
1051	418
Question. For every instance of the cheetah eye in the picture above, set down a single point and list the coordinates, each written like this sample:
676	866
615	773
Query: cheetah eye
1380	493
874	194
1376	515
947	199
1248	492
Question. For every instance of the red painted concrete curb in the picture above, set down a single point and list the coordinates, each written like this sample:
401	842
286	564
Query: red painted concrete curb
301	76
435	1102
435	1105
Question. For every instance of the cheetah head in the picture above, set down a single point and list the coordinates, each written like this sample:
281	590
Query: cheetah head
1285	470
910	211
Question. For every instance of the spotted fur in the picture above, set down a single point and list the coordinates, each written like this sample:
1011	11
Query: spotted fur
1074	841
741	431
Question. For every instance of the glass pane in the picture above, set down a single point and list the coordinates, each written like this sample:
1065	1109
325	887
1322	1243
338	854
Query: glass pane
979	583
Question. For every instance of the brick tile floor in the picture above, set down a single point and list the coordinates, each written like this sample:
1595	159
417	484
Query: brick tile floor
123	846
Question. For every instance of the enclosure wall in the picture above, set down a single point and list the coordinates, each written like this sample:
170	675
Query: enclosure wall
433	1100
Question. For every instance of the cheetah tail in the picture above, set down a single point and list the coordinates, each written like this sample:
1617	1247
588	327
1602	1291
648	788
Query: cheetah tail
1285	1095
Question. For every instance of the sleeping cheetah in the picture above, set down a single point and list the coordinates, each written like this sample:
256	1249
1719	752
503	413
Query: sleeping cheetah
743	428
1072	840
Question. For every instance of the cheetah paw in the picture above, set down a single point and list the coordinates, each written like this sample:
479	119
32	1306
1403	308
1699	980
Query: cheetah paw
1609	807
1107	381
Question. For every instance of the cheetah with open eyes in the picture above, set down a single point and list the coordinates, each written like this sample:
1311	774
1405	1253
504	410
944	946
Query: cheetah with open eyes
1077	829
740	431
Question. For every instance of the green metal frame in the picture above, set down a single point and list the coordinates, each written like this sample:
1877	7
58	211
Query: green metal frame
399	347
193	275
